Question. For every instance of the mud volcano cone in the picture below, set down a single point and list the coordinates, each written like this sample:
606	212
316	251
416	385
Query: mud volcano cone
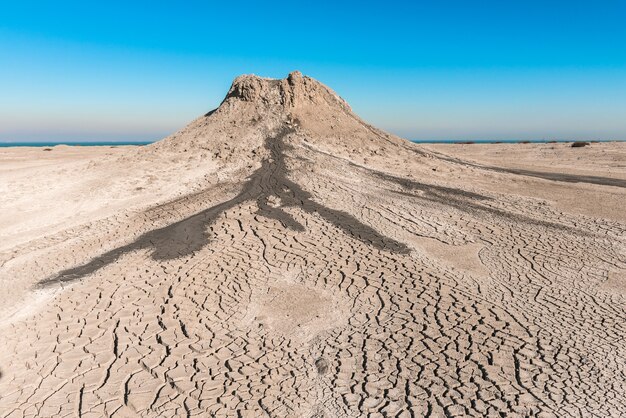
312	265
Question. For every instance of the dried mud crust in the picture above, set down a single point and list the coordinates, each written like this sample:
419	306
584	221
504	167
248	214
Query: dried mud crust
310	292
189	321
560	177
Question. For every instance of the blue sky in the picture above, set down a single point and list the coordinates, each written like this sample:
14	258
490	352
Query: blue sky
424	70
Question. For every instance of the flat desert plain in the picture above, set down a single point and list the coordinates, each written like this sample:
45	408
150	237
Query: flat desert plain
281	257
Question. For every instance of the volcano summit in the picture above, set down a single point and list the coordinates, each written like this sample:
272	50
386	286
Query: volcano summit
281	257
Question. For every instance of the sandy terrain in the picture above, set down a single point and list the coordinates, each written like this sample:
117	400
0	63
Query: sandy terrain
281	257
597	164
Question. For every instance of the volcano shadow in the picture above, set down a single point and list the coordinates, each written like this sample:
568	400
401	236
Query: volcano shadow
191	234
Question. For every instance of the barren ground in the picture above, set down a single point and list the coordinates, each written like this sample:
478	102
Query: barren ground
307	275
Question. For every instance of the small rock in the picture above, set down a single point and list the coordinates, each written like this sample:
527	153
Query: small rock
322	365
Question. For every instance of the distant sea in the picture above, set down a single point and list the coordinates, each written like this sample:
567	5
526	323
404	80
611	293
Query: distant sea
505	141
73	143
417	141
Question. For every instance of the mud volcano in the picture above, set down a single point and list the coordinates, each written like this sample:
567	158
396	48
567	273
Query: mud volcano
323	268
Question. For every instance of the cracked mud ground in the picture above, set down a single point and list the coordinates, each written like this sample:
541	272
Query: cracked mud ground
324	285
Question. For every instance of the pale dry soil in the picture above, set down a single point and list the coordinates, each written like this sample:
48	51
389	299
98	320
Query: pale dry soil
316	285
597	162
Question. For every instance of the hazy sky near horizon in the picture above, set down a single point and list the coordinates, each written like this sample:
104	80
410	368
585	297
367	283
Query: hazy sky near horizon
424	70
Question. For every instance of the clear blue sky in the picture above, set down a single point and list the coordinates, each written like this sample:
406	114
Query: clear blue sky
140	70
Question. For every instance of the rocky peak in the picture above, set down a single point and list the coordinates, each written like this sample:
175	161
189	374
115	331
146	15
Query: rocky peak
296	90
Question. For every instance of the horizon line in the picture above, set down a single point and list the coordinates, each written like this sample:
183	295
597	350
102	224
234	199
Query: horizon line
6	144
